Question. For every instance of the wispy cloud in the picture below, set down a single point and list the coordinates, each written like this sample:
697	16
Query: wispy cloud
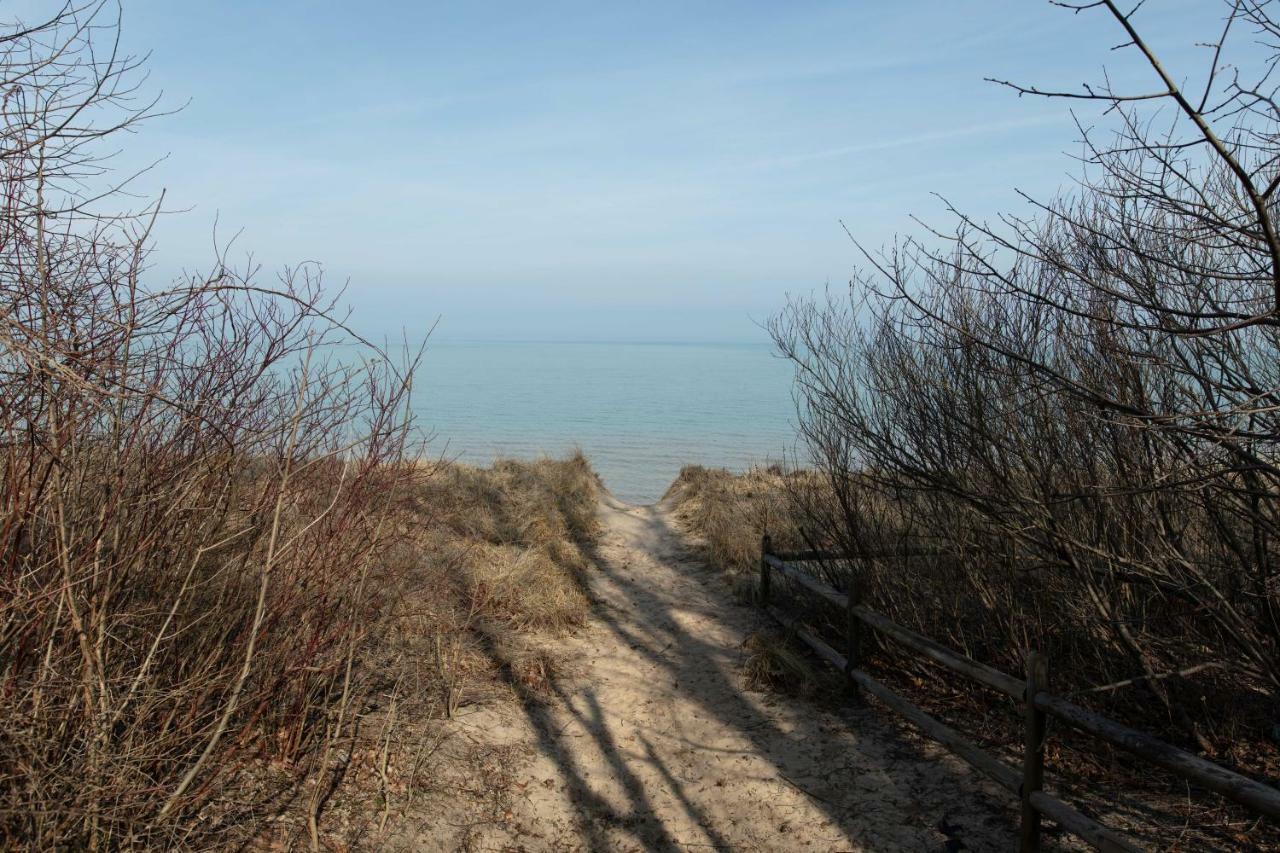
932	137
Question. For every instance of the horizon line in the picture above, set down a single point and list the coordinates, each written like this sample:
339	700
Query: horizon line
616	341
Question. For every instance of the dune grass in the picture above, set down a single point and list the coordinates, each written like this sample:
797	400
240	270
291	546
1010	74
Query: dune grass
488	562
728	513
493	557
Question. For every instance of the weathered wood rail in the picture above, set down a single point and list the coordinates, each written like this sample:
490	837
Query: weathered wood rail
1032	693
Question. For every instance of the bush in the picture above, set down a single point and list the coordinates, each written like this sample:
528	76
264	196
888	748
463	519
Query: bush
1077	414
194	492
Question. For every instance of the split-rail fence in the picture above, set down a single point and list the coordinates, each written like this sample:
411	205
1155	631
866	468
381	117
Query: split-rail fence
1032	693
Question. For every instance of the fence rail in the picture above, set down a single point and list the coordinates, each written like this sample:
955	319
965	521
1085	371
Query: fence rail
1038	703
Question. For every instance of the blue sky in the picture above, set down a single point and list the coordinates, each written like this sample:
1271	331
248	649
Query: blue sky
587	171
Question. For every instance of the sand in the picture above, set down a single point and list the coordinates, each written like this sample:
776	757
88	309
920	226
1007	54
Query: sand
654	743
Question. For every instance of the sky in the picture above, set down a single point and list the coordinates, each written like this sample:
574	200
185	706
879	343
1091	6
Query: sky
652	171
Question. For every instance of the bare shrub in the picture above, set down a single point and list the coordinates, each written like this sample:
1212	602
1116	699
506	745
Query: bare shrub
1066	424
1079	408
194	483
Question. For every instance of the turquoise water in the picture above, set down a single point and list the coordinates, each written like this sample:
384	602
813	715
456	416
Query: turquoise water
639	411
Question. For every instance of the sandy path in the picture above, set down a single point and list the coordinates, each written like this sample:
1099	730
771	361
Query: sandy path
654	744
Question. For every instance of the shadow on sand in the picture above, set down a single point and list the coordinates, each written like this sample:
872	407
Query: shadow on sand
872	786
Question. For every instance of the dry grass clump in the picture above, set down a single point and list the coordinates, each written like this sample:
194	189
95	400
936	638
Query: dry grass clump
489	560
729	513
775	662
521	586
513	537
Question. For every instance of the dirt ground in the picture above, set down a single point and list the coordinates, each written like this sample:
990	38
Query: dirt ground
652	742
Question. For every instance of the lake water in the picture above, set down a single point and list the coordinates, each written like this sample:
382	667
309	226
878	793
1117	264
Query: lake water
638	411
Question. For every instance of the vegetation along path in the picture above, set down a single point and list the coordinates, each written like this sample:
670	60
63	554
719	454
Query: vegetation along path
653	742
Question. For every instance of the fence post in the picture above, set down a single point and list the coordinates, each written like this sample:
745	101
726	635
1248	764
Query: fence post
852	628
1033	754
766	548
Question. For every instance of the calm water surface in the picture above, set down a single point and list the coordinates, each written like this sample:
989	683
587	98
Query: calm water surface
639	411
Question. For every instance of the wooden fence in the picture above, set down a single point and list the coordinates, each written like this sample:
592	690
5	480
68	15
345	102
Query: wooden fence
1031	692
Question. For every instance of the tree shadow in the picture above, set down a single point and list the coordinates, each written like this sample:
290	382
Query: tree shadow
868	780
